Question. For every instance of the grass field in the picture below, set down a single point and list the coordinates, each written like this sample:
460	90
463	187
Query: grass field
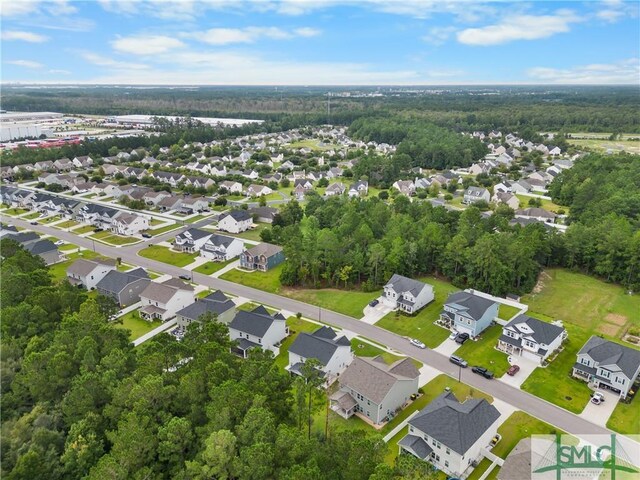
483	352
600	142
296	326
154	221
267	281
137	327
47	220
546	204
59	270
84	229
347	302
311	143
197	218
166	228
114	239
505	312
211	267
253	234
364	349
626	417
67	224
31	216
166	255
67	247
13	212
421	325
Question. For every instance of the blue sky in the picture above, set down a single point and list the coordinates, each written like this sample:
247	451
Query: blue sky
320	42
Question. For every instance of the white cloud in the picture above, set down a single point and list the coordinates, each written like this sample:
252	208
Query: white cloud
111	63
520	27
25	63
226	36
15	8
613	10
438	35
623	72
56	71
23	36
146	44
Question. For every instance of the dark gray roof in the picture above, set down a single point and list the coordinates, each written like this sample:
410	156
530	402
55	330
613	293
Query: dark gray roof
316	345
402	284
221	240
138	272
41	246
543	332
474	305
245	344
24	237
416	445
607	353
205	305
237	215
193	234
217	296
116	281
456	425
252	323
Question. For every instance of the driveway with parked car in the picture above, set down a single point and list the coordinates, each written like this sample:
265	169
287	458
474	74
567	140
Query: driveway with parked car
374	311
600	410
525	368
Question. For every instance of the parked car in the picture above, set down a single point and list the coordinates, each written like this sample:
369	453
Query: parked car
185	277
373	303
496	439
96	230
488	374
59	242
513	369
596	400
453	335
461	338
33	222
417	343
146	235
458	361
598	396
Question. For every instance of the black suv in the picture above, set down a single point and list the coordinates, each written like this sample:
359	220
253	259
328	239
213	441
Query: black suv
482	371
462	337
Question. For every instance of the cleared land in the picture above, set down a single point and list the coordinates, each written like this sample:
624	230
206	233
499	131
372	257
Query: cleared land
67	224
600	142
166	255
84	229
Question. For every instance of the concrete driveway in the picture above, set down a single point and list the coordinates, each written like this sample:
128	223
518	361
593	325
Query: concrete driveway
448	347
599	414
526	368
374	314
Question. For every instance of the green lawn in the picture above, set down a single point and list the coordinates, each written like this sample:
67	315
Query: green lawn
626	417
100	235
59	270
31	216
268	281
483	352
154	221
347	302
364	349
505	312
253	234
211	267
546	204
166	255
67	224
604	144
55	218
295	327
137	327
311	143
166	228
120	240
13	212
84	229
197	218
67	247
421	325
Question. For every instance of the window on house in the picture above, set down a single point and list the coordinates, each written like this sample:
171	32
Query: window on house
446	463
448	451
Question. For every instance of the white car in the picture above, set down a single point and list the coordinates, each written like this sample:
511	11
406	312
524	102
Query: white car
59	242
417	343
597	398
453	335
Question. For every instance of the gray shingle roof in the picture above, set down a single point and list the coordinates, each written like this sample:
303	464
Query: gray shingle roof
237	215
416	445
41	246
402	284
456	425
204	305
316	345
221	240
193	234
607	353
253	323
116	281
474	305
265	249
543	332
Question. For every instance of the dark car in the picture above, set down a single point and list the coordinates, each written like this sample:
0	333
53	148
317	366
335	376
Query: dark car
482	371
185	277
462	337
458	361
513	369
96	230
146	235
373	303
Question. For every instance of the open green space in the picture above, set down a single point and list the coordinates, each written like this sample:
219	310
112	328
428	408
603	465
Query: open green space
100	235
91	195
505	312
311	143
197	218
31	216
296	326
154	221
364	349
166	228
84	229
47	220
211	267
268	281
603	144
482	352
547	205
136	326
626	417
67	224
252	234
13	212
421	325
347	302
114	239
67	247
59	270
166	255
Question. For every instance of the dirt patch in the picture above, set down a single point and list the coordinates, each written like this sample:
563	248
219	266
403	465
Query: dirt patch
608	329
540	285
616	319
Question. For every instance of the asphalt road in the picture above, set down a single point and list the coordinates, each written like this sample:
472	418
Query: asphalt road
519	399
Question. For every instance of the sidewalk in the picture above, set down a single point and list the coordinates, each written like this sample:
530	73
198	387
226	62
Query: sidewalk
225	269
196	263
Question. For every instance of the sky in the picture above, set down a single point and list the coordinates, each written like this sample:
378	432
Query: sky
319	42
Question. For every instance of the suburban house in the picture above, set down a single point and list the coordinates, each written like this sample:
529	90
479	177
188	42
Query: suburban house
191	205
374	389
191	240
476	194
262	257
216	303
606	364
45	249
263	214
466	312
220	248
539	214
235	221
89	272
334	189
359	189
406	187
257	329
332	351
154	198
258	190
407	294
506	198
231	187
129	224
162	300
451	435
531	338
124	287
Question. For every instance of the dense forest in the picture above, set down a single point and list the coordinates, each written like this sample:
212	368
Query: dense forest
586	108
346	243
78	401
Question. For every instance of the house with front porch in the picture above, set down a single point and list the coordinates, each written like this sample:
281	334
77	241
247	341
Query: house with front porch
375	390
407	294
332	351
235	221
609	365
451	435
129	224
467	312
257	329
221	248
531	338
161	301
262	257
191	240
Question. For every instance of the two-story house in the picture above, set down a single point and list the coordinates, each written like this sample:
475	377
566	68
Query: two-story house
466	312
191	240
359	189
407	294
476	194
89	272
129	224
451	435
531	338
231	187
374	389
332	351
609	365
262	257
220	248
257	329
235	221
216	303
124	287
162	300
406	187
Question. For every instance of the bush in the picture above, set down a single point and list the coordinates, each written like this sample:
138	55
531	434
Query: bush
383	195
448	197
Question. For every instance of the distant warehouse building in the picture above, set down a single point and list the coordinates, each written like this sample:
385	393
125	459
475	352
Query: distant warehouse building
19	130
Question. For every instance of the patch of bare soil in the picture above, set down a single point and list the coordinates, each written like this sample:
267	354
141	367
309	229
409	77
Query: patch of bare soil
540	285
608	329
616	319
